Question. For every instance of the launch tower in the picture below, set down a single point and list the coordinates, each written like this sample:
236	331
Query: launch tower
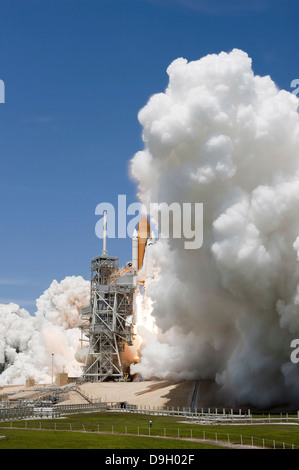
108	321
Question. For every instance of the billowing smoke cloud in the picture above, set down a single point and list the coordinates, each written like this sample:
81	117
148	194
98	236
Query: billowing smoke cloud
227	138
28	342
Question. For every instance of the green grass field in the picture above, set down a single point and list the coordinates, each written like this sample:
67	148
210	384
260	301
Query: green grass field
106	430
20	439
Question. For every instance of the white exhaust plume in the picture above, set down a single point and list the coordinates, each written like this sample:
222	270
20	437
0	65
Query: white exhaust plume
225	137
28	342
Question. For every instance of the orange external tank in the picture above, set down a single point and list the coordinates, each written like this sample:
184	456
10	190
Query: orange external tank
143	234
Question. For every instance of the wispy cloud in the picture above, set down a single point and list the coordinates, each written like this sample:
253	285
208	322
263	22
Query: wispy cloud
21	302
219	6
44	119
18	282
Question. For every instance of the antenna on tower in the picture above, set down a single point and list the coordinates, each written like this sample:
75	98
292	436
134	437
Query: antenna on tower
104	251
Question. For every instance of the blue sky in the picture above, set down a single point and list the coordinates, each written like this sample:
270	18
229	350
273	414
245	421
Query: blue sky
76	73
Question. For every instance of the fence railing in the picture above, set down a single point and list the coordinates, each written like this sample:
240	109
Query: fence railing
221	439
202	416
46	411
216	415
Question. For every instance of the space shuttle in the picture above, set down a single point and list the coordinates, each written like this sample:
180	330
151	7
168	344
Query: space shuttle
141	267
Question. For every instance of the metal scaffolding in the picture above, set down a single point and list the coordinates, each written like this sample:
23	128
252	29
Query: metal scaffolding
109	319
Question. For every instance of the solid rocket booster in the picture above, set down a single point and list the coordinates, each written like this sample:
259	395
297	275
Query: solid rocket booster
143	232
135	250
